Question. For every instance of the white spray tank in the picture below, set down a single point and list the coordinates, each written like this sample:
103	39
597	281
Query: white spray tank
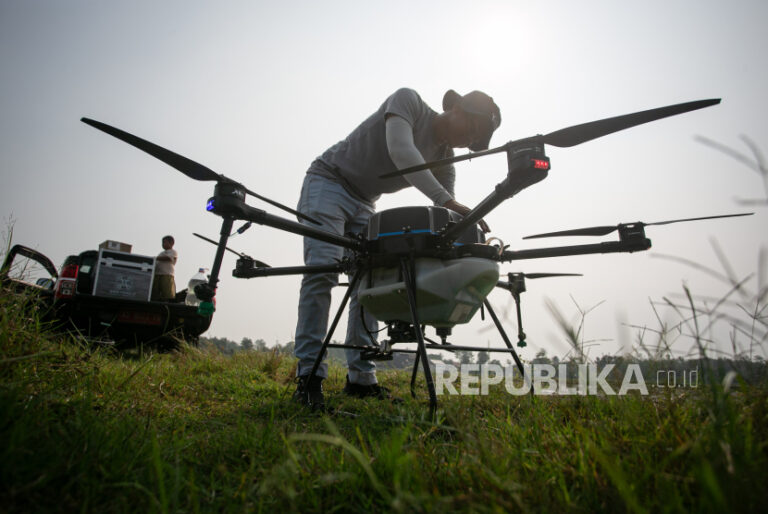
448	291
197	279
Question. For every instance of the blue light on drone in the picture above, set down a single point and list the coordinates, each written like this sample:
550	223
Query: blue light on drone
209	206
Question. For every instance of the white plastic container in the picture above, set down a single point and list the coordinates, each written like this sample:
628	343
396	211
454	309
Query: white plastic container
448	292
197	279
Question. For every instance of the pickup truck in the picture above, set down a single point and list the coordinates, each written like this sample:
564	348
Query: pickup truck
67	300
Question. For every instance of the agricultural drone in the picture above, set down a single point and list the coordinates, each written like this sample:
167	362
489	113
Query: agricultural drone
423	265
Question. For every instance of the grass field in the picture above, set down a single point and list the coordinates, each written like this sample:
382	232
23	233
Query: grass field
194	431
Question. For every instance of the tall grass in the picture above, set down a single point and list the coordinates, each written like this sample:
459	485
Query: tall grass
85	429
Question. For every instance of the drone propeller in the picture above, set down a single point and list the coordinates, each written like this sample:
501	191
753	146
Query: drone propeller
578	134
545	275
187	166
601	231
575	135
506	285
259	264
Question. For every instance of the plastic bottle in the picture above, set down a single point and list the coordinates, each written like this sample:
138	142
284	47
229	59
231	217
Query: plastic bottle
198	278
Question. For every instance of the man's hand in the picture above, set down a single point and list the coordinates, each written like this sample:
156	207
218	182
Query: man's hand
463	210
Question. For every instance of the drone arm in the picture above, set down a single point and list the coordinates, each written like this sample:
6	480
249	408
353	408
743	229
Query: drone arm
229	202
501	193
637	245
264	218
245	269
526	166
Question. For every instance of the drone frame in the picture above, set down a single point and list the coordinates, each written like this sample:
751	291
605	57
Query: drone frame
527	154
229	203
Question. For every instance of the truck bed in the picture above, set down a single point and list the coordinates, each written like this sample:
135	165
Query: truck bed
126	322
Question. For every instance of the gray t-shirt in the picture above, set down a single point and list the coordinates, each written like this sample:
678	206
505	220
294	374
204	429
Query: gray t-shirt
357	161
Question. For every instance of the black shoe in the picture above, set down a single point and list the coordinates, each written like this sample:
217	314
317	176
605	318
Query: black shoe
310	392
368	391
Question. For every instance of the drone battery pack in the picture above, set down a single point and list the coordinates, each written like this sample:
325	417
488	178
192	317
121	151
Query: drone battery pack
419	224
124	275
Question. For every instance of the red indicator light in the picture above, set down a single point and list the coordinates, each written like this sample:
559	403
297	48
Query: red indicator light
540	164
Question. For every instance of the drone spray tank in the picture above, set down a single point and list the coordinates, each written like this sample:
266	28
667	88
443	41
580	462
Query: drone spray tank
448	291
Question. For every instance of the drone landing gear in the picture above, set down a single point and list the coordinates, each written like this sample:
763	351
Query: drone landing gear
409	275
504	336
207	291
410	332
398	332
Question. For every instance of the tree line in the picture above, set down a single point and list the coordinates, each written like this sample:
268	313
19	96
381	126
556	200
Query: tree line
755	371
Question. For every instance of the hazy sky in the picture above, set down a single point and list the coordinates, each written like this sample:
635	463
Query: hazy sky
256	90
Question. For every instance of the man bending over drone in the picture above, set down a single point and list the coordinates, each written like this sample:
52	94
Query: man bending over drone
340	191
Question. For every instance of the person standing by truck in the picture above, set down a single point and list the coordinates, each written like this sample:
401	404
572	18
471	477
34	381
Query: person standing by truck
164	285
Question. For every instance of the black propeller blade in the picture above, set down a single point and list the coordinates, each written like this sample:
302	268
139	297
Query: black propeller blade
578	134
545	275
260	264
505	285
607	229
187	166
575	135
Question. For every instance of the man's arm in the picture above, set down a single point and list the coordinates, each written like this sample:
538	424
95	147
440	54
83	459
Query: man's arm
167	256
404	154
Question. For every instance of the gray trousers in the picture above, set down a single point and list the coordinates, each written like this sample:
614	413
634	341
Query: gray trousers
329	203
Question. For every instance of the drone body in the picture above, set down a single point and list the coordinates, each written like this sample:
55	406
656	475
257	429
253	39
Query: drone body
452	282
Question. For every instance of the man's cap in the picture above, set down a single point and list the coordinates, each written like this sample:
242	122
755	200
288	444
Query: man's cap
478	103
